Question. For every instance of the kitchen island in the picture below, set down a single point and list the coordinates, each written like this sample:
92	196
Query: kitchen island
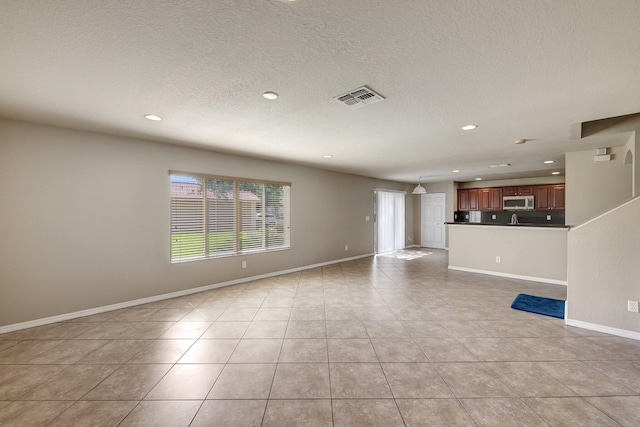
536	252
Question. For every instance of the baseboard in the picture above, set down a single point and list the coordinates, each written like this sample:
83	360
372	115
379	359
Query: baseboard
126	304
511	276
605	329
412	246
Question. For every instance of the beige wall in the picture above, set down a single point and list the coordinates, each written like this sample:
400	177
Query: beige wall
631	151
595	187
534	252
603	269
85	218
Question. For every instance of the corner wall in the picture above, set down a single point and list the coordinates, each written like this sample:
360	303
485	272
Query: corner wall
85	217
603	270
632	150
593	188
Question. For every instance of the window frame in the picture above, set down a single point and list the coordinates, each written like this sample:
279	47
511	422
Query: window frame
239	216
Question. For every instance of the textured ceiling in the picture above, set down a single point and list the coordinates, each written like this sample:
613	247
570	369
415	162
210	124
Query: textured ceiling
517	69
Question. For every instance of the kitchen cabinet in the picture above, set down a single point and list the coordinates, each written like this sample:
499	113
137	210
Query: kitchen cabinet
474	199
542	197
463	200
548	197
469	199
558	192
519	191
491	199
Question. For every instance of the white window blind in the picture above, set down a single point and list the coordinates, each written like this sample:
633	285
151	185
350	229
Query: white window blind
389	221
214	217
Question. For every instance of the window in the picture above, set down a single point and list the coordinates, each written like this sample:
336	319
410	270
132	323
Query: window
218	216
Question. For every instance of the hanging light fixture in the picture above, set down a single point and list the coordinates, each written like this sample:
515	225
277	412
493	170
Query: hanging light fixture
419	188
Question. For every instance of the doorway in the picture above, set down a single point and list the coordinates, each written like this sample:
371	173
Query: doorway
388	209
433	220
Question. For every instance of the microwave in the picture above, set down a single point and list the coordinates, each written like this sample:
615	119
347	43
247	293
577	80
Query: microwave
517	203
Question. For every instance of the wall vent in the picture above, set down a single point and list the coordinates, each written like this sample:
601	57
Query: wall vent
359	98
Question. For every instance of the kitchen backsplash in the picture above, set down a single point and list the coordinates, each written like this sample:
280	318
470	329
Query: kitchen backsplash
504	217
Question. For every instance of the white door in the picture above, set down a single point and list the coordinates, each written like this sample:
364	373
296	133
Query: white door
433	218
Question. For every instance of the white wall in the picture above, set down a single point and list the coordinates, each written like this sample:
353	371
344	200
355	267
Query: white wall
595	187
84	219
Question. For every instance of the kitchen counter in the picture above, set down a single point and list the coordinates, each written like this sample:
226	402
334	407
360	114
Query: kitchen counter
495	224
536	252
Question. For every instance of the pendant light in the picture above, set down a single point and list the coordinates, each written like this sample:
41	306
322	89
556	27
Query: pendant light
419	188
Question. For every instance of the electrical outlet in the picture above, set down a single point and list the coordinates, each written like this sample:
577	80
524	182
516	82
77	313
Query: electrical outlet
498	259
346	247
244	264
548	217
367	218
632	306
493	216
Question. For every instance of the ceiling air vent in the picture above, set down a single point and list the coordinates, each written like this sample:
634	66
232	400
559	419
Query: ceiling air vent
359	98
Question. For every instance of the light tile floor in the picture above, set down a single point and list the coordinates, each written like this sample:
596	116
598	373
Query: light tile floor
388	340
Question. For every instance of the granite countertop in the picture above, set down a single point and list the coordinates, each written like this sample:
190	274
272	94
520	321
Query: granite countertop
510	225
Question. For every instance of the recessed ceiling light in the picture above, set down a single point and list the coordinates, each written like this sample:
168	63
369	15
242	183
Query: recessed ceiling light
520	141
478	179
152	117
455	170
270	95
327	156
555	173
469	127
548	161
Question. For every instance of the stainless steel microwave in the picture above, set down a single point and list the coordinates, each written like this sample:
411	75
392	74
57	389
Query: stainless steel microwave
517	203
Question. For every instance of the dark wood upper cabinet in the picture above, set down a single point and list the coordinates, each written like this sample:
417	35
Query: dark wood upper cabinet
546	197
485	199
474	199
550	197
463	200
496	199
526	191
542	197
518	191
510	191
557	193
491	199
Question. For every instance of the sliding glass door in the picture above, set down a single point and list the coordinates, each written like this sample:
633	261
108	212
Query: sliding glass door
389	217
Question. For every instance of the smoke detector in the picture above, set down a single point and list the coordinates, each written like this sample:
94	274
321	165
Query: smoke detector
359	98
